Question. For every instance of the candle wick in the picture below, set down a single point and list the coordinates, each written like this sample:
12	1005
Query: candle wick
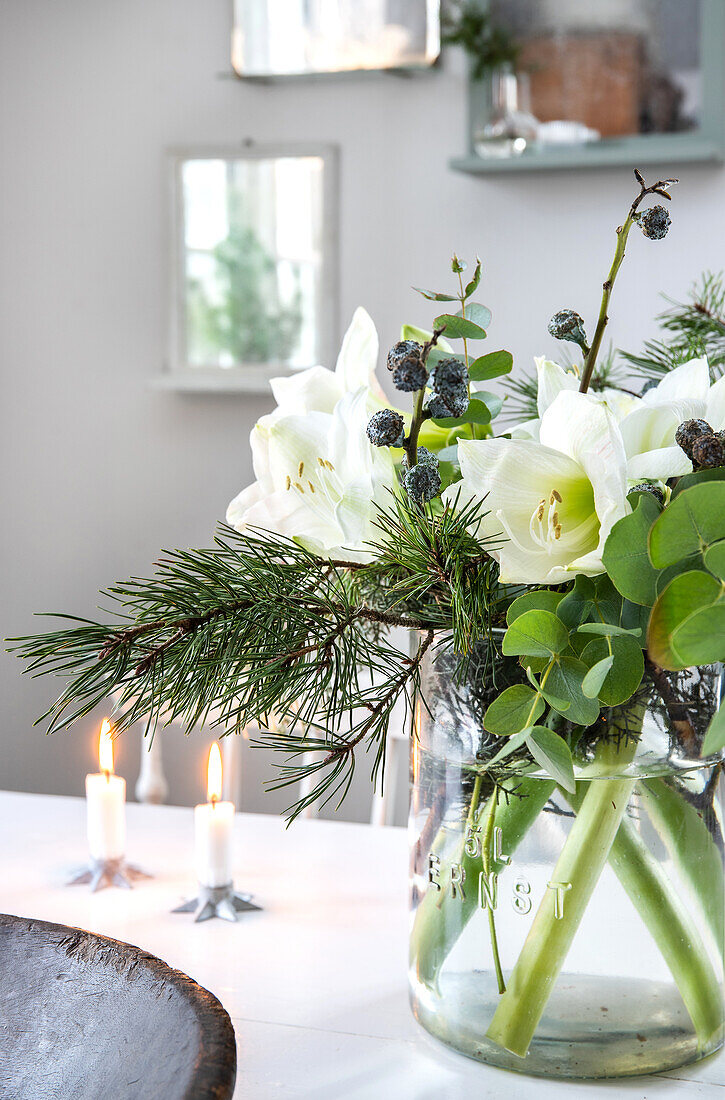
107	775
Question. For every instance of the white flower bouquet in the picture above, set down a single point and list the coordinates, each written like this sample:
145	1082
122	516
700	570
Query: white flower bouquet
563	581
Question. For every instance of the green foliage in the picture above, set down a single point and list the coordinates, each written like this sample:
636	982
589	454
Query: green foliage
626	556
553	754
241	316
626	671
692	328
535	634
514	708
493	365
257	627
476	413
467	23
690	523
457	327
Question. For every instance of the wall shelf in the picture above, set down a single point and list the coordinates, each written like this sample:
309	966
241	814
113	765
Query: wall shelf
704	145
630	152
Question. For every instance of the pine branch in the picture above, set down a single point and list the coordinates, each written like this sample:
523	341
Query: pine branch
692	329
257	625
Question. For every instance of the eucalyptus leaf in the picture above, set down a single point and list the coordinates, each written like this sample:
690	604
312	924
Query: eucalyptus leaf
492	401
493	365
578	603
700	639
552	754
626	557
516	707
476	413
689	524
480	315
698	477
715	736
422	336
684	595
714	558
436	295
566	681
535	634
543	599
472	285
514	742
594	680
627	669
457	328
608	629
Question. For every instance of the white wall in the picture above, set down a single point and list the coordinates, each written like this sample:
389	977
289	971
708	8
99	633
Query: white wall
98	470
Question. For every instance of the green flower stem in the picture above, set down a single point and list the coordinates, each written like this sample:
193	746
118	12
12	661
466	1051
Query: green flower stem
440	918
672	928
487	859
692	848
578	868
590	357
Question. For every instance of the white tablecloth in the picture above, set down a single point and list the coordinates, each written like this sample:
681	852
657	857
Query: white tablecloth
316	983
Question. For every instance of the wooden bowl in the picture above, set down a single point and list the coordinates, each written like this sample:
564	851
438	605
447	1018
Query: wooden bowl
84	1017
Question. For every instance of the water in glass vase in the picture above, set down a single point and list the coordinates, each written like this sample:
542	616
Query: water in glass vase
562	934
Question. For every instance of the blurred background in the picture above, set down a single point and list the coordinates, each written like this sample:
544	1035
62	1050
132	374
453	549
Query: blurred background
174	232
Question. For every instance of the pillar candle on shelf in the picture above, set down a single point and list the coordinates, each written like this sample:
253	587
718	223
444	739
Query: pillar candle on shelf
213	826
106	804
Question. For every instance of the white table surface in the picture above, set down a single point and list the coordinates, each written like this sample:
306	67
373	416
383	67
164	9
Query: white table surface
316	983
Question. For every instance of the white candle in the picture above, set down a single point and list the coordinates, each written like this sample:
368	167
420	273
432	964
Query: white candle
213	827
105	803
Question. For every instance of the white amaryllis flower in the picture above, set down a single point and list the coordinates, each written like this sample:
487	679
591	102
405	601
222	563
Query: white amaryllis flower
551	502
319	480
649	429
552	380
319	389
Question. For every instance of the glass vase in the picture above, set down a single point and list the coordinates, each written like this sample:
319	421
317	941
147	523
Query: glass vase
568	934
509	127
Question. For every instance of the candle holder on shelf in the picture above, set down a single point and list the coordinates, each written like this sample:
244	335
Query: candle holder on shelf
217	901
108	872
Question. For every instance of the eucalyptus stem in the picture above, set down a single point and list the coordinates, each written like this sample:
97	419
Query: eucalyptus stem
487	858
590	358
410	444
441	918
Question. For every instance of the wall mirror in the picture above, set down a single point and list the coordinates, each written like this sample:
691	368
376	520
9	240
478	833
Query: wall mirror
273	38
254	259
607	82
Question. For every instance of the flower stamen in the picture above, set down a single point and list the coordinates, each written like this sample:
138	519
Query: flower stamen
545	525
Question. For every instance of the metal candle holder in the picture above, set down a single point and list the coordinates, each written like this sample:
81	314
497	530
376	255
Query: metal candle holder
217	901
109	872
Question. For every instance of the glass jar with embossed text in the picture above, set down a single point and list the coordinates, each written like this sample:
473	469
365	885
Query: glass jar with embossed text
567	933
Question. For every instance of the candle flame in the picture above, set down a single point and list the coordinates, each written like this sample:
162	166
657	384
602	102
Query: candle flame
105	748
214	774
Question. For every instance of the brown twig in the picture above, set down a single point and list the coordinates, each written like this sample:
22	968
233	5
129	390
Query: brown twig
676	709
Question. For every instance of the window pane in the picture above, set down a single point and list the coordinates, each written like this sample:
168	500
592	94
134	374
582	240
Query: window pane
252	236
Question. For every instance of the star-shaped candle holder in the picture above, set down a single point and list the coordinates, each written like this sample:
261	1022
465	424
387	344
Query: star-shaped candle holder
109	872
217	901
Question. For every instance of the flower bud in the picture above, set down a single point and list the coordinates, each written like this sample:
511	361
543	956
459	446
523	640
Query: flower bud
654	223
386	429
688	434
422	482
709	451
568	325
450	400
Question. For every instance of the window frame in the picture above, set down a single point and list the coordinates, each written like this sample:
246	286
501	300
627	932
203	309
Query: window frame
178	373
